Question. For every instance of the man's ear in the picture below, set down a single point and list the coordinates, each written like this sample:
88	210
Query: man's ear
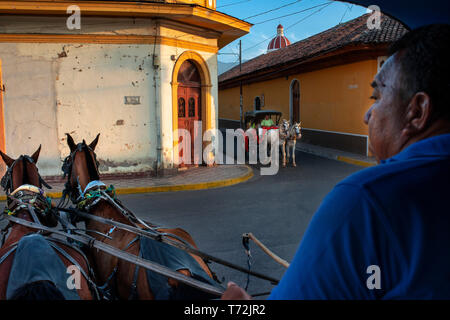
418	113
93	144
35	155
9	161
71	143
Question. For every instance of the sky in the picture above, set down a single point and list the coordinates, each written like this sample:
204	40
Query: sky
319	15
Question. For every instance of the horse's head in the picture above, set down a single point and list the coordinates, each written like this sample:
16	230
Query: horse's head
21	171
23	182
284	125
297	130
80	166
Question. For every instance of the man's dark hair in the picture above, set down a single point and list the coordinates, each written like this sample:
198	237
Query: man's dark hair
424	57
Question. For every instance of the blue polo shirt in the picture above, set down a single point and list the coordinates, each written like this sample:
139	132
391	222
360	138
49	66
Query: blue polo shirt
382	233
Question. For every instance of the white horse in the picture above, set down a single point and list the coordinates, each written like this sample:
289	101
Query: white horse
294	134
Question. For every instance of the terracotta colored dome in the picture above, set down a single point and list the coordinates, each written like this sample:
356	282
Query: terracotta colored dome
280	41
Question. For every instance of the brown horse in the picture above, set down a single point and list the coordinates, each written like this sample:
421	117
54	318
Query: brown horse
130	282
26	200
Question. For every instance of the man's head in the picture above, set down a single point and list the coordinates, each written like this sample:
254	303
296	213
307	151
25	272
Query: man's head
266	117
411	92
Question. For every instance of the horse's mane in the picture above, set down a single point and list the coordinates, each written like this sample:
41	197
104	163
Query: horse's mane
91	165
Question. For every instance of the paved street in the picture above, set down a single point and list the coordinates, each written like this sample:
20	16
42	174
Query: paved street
276	209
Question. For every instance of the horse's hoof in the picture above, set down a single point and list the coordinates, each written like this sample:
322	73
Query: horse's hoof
294	165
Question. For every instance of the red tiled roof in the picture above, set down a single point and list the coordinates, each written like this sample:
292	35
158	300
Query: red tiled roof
350	33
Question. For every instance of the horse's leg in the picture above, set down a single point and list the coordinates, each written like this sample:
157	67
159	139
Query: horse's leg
288	155
283	151
293	154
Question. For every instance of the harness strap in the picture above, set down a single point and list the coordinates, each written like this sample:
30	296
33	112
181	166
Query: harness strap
133	292
13	247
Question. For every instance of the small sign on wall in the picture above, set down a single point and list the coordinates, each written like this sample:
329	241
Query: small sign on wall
132	100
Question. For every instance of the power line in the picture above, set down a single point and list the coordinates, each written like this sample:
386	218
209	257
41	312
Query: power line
309	15
342	18
324	5
232	4
291	14
271	10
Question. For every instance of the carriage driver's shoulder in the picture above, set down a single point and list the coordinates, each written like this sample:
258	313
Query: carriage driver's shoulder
420	156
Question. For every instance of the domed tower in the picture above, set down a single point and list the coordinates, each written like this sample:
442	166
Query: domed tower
280	41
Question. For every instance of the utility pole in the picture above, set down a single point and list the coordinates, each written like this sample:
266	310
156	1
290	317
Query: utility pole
241	102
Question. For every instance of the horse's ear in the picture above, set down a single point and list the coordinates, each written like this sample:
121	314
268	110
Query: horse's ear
71	143
9	161
93	144
35	155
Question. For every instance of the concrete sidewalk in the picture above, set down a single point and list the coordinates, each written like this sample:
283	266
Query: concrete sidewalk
195	178
334	154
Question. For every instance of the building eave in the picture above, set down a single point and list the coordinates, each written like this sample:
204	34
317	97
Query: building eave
230	28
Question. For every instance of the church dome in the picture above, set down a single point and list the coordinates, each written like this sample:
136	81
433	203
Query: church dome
280	41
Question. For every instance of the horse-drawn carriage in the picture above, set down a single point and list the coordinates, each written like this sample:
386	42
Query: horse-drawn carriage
268	124
254	119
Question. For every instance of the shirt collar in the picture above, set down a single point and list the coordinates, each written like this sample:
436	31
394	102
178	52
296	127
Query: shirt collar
437	146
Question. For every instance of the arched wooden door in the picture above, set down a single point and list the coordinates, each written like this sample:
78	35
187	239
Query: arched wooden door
189	105
295	92
257	103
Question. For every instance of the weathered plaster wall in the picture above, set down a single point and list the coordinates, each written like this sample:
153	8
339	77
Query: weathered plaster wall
29	104
91	86
54	88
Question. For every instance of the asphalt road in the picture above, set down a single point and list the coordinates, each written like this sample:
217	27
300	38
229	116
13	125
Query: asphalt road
276	209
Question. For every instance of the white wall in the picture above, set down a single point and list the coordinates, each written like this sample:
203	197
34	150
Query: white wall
82	92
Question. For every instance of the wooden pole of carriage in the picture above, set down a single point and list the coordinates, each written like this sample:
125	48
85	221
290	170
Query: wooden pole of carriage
270	253
241	99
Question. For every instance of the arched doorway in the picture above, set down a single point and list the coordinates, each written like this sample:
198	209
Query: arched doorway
188	106
257	103
295	101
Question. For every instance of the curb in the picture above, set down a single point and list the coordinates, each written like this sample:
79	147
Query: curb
179	187
355	162
333	156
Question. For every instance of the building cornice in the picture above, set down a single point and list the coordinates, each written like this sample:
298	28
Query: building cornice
230	28
105	39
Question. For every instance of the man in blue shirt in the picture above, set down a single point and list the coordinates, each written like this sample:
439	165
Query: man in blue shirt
384	232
